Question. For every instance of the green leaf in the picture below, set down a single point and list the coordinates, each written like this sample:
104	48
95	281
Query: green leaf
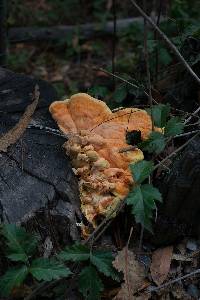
98	91
20	243
103	262
160	113
164	56
120	94
48	269
90	284
155	143
150	192
18	257
142	198
141	170
174	126
12	278
75	252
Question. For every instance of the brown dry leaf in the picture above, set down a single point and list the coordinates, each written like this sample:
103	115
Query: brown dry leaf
16	132
134	274
161	260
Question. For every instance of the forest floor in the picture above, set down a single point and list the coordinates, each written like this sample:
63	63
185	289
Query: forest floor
75	64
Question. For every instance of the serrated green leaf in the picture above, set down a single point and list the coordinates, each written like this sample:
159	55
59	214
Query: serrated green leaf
17	257
20	243
103	262
48	269
155	144
75	252
12	278
174	126
142	199
141	170
120	94
150	192
90	284
160	113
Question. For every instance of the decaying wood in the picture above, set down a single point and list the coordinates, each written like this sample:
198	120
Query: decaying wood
86	31
179	214
13	135
37	184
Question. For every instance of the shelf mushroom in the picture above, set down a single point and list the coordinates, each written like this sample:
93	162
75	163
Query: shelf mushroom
96	139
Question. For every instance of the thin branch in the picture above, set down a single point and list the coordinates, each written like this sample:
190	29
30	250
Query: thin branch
176	151
155	289
186	133
138	87
126	81
108	219
168	42
192	115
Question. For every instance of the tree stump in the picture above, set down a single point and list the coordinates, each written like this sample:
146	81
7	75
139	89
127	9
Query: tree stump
36	179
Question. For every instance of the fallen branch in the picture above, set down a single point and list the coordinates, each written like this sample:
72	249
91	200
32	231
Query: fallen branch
167	40
86	31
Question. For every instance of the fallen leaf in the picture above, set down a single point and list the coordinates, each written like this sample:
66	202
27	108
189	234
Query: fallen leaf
161	260
134	275
16	132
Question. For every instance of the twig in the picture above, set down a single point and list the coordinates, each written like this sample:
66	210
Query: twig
186	133
192	115
102	230
168	42
129	238
107	219
126	81
129	148
176	151
155	289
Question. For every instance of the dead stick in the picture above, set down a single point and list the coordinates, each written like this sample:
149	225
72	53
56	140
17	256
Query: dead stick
155	289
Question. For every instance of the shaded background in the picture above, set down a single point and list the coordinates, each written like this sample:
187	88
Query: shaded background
68	59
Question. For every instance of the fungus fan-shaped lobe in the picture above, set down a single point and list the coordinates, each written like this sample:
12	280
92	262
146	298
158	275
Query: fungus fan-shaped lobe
96	136
60	113
87	111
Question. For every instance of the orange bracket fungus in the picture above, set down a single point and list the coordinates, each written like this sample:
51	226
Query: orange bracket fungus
96	137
